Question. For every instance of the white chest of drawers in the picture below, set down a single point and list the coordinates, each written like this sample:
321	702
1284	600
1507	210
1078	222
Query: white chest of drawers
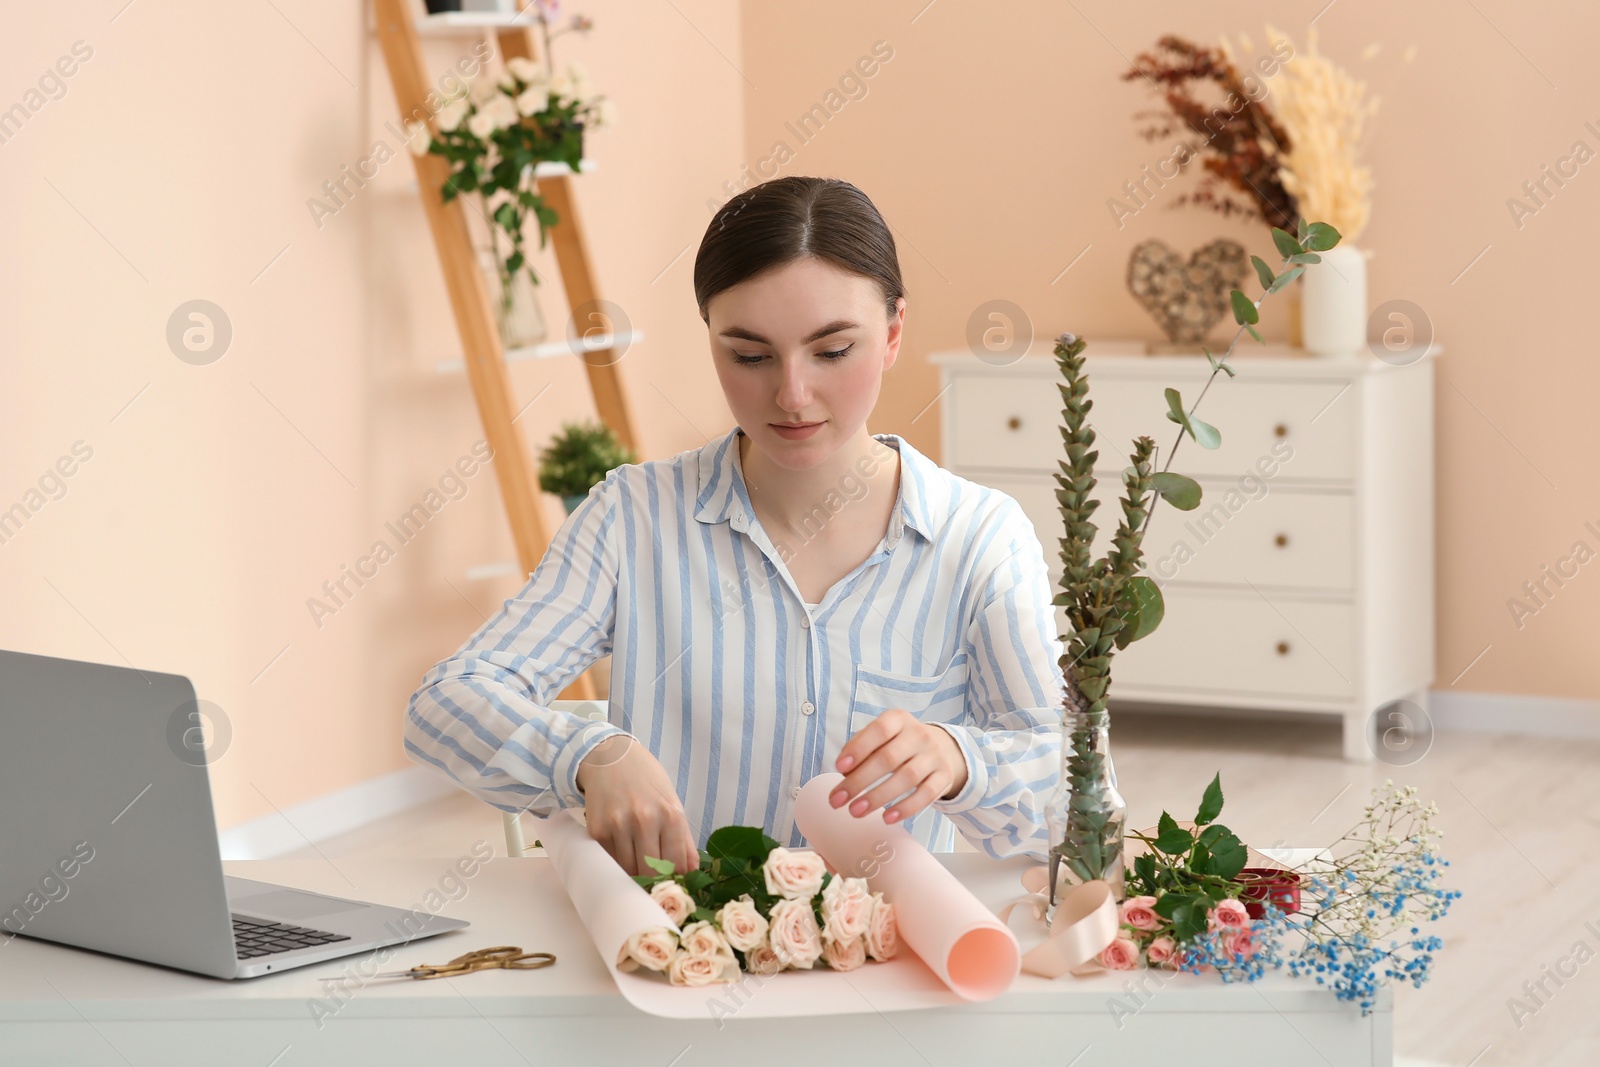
1304	581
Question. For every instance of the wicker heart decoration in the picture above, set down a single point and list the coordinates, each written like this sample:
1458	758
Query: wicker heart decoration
1186	299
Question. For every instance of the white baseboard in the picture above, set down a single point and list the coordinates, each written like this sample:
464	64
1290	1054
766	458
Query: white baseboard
337	813
1515	713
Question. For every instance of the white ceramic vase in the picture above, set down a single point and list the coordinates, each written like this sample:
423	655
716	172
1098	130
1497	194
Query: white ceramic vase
1333	308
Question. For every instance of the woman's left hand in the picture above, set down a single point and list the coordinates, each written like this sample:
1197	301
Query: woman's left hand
920	759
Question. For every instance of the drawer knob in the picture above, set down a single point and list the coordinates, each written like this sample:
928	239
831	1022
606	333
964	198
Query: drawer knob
1014	423
1280	430
1282	540
1283	648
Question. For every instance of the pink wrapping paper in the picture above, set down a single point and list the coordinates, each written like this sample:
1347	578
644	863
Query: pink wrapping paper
952	948
965	944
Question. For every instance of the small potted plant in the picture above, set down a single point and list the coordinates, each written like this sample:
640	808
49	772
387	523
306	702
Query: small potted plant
579	458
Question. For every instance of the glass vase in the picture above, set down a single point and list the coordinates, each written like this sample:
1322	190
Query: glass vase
1086	815
516	303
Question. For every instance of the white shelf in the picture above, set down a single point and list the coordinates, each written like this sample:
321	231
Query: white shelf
547	169
459	23
553	349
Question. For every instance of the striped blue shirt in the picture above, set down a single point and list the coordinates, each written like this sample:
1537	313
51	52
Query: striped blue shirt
741	690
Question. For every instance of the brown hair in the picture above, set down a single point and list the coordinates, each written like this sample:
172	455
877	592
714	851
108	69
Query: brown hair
789	218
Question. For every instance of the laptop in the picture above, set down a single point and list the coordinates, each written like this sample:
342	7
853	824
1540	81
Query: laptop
108	840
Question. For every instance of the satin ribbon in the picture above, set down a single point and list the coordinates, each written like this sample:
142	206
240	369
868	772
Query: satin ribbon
1085	922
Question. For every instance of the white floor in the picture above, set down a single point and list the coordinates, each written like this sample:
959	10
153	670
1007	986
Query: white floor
1521	817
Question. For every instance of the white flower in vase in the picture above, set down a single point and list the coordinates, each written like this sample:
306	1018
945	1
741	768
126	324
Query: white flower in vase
534	99
418	138
451	114
525	70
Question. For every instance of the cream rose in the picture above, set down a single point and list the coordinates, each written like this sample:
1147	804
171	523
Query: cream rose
762	961
793	933
1121	955
793	874
674	900
845	955
652	949
846	908
1140	913
534	100
451	114
690	970
703	939
883	937
742	924
1228	912
525	69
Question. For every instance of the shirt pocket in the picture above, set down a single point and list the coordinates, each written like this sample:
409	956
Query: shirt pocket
936	698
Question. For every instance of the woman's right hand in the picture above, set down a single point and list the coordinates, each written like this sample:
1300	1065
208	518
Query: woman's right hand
631	807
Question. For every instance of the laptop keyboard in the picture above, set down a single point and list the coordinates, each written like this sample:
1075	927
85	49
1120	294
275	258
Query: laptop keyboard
252	938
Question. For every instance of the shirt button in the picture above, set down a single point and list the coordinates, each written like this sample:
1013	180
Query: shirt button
807	708
794	794
805	622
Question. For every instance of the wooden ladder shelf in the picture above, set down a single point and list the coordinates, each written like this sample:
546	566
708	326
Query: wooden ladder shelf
469	295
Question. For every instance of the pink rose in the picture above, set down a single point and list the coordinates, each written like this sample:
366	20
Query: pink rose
883	937
793	875
742	924
1240	942
674	900
761	960
1140	913
793	933
652	949
1161	950
846	909
1121	955
845	955
1228	912
690	970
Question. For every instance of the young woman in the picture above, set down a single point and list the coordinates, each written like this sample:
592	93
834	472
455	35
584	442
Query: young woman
795	597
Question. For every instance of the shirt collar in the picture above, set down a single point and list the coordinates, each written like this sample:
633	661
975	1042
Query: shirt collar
723	498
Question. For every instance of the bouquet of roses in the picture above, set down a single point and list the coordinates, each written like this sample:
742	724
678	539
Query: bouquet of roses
1183	901
753	905
1190	908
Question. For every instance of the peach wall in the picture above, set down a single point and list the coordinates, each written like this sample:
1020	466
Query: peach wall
994	137
178	165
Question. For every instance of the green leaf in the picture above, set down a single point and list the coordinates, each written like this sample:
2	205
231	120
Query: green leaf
1175	407
740	842
659	866
1173	839
1179	490
1288	247
1263	272
1216	364
1188	922
1205	435
1320	237
1300	228
1143	608
1285	278
1228	857
1144	866
1306	257
1256	335
1211	802
1244	310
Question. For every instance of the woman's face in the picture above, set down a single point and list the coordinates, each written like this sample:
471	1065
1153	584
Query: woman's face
803	343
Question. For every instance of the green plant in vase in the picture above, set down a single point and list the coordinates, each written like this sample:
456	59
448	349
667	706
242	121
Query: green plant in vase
578	458
1109	603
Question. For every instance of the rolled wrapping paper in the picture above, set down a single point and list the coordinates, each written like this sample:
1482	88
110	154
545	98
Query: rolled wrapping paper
939	919
610	903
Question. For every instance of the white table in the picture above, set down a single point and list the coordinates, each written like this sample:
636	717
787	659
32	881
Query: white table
64	1006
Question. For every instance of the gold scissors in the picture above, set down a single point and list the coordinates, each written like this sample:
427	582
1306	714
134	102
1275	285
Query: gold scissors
509	957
